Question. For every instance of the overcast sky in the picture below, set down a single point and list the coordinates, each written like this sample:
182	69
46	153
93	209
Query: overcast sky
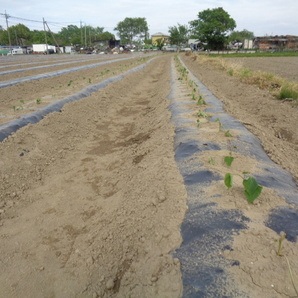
262	17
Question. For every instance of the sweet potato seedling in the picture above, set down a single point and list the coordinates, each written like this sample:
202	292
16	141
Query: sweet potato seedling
220	126
201	101
18	108
291	276
211	161
282	237
228	134
202	114
280	241
228	160
252	189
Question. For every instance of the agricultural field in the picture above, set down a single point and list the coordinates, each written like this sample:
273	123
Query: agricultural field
107	194
285	67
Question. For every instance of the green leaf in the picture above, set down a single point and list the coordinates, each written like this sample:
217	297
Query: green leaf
228	160
252	189
229	180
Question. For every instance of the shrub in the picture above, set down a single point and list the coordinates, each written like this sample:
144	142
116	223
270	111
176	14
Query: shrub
287	91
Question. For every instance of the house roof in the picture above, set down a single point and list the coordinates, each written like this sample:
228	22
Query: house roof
159	34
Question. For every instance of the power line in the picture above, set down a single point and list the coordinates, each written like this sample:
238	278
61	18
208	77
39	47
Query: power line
57	24
27	20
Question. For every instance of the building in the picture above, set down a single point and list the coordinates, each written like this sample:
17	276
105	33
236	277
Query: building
160	35
43	48
289	42
248	44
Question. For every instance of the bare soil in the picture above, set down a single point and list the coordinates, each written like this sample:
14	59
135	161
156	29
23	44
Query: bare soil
285	67
30	96
91	200
91	197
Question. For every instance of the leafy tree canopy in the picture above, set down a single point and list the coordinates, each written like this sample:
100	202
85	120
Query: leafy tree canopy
179	34
105	36
241	35
20	30
132	28
18	34
3	37
72	34
38	36
212	27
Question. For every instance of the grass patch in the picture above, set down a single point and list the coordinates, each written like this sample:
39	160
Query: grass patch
257	54
287	92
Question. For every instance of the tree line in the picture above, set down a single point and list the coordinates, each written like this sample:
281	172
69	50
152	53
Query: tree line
71	35
213	28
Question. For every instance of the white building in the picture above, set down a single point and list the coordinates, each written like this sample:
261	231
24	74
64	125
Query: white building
43	48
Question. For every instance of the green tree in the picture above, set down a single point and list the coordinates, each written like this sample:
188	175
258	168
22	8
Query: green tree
212	27
20	34
38	36
179	34
92	33
241	35
71	34
3	37
132	29
105	36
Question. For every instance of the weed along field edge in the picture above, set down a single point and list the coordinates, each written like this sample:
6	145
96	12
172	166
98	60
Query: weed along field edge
175	180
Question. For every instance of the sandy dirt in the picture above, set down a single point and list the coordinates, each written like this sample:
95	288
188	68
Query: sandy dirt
30	96
91	199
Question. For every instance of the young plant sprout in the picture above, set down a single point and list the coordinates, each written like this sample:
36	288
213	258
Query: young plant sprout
252	189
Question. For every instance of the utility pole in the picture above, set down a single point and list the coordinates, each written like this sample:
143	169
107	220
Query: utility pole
45	34
54	38
81	32
6	17
85	36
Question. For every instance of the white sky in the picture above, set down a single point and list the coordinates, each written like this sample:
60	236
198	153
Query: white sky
271	17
